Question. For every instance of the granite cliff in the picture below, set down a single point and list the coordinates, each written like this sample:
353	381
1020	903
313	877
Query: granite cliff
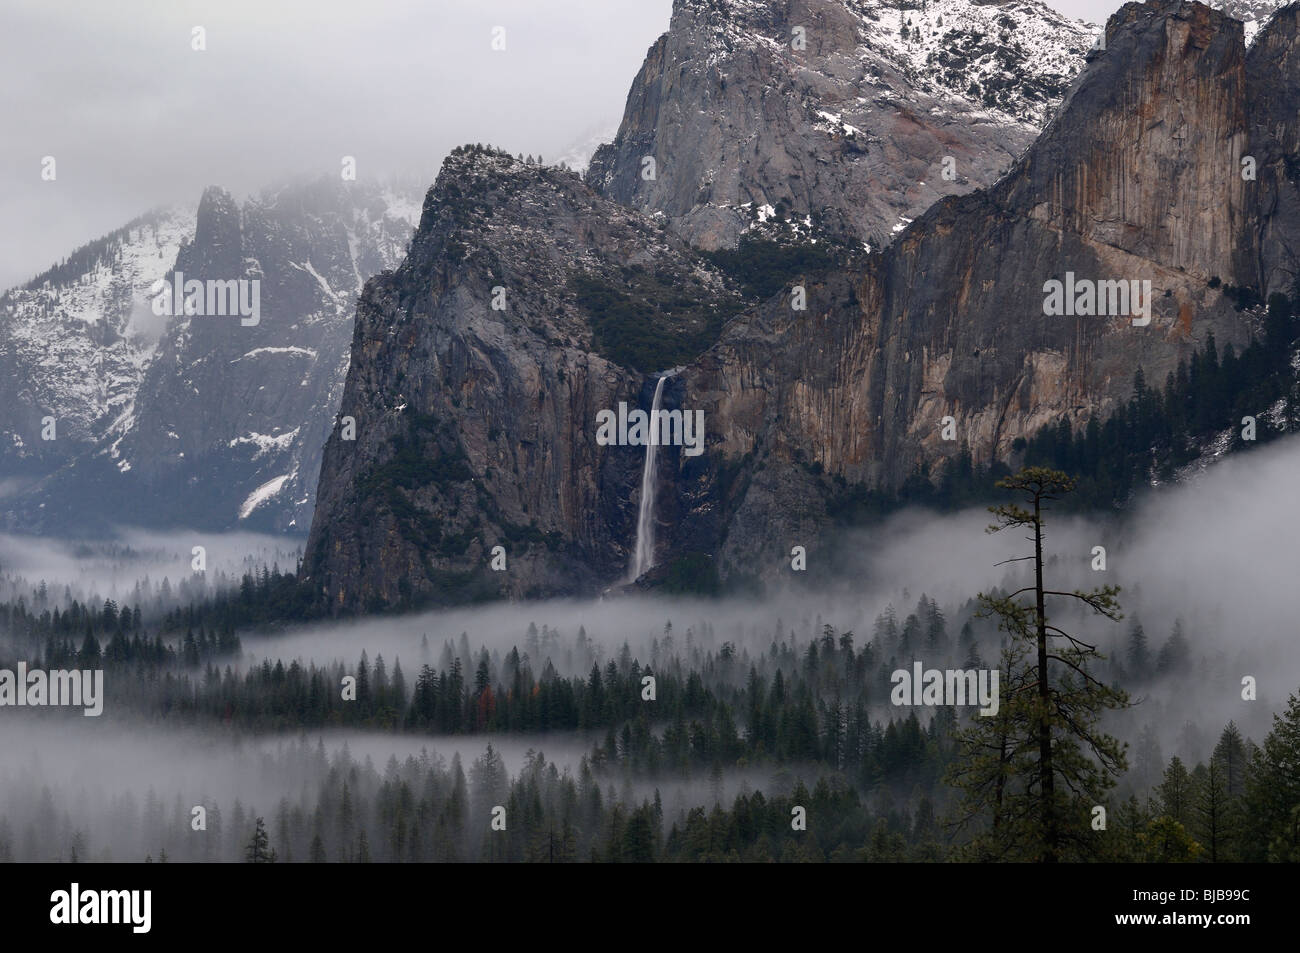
475	428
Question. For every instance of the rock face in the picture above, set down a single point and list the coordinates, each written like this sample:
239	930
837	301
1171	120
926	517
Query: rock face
478	369
473	424
1252	13
193	420
1273	89
1138	178
75	341
842	129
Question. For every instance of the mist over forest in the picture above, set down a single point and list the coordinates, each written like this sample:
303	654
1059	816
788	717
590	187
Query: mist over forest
761	705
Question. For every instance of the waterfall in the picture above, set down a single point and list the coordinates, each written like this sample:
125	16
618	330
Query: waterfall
643	557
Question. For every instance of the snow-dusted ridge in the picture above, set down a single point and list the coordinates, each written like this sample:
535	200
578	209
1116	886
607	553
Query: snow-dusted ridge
1013	59
145	403
82	334
1253	13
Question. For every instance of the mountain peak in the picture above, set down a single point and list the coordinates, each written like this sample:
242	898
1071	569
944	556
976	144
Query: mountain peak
1252	13
217	202
1249	10
854	115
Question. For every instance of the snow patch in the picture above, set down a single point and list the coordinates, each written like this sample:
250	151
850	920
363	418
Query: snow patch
325	285
263	493
836	124
259	351
267	444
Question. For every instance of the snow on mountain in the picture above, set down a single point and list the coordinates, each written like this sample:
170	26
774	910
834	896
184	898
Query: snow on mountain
193	419
1014	58
577	156
854	113
1253	13
75	341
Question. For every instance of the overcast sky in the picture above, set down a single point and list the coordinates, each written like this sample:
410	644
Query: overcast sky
136	118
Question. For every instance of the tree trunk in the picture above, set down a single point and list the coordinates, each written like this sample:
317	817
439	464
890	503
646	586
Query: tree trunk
1046	776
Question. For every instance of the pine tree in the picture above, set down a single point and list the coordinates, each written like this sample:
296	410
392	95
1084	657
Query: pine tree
1139	655
909	644
1215	813
886	631
363	686
1231	752
995	753
258	850
1273	790
89	656
1165	841
1062	763
638	845
936	628
1175	792
1174	654
363	848
345	820
1148	761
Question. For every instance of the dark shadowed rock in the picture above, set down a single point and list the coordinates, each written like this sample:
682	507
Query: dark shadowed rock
475	425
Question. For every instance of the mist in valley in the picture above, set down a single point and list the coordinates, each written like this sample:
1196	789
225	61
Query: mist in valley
137	565
1211	558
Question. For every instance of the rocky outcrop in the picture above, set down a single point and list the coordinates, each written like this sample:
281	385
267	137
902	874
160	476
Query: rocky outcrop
478	369
1137	180
74	343
207	421
1273	84
837	118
